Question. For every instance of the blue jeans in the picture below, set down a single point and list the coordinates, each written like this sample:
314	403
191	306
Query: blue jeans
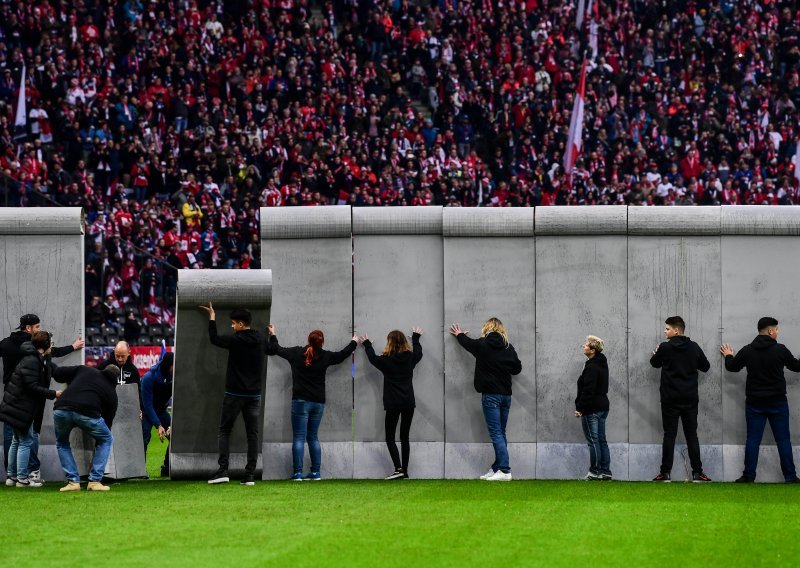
594	428
757	417
65	421
306	417
20	452
147	432
8	438
495	412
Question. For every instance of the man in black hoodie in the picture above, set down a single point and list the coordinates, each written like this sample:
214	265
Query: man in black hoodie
11	350
765	396
89	403
679	359
242	388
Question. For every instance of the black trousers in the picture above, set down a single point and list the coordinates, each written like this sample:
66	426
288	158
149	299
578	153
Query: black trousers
249	407
392	417
687	414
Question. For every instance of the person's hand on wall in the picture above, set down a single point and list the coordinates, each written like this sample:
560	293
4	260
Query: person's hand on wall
58	393
212	315
78	343
271	329
363	338
417	330
168	433
355	338
578	414
726	349
455	329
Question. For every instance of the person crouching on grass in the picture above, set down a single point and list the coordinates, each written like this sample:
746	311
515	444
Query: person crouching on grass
246	350
591	406
495	362
309	365
397	365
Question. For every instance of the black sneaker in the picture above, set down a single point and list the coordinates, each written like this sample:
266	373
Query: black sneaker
662	477
700	478
220	476
398	474
606	477
795	480
744	479
248	480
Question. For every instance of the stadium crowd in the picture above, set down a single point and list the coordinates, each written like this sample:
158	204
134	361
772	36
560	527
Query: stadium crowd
172	122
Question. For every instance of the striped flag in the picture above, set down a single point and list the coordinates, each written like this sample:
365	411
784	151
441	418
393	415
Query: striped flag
21	120
797	162
575	138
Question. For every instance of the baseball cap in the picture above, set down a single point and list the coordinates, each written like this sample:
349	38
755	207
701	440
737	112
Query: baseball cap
28	319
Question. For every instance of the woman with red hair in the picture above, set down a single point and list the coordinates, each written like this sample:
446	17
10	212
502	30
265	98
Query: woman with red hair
309	365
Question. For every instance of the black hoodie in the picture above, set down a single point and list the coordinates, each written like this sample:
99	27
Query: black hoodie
245	360
398	372
593	386
308	381
12	353
679	359
90	392
495	362
765	359
28	390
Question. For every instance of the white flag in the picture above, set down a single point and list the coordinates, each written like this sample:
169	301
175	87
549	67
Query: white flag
797	162
580	13
21	121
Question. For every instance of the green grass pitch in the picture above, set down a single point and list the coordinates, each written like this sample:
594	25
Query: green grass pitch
401	523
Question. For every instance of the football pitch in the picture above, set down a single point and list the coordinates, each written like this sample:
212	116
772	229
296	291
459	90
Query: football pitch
401	523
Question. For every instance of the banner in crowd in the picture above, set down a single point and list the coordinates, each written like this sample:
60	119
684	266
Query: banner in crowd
143	356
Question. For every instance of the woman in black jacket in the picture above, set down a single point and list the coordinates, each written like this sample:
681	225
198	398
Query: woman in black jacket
397	365
309	365
495	362
24	398
591	406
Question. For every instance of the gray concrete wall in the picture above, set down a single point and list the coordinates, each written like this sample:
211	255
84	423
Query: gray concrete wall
199	375
41	251
309	250
555	277
398	282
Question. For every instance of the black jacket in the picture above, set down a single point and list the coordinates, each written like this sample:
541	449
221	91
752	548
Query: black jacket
679	360
765	359
90	393
10	348
308	382
593	386
129	374
495	362
27	390
245	361
398	372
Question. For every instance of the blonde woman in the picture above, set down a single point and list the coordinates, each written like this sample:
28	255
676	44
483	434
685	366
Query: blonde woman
591	406
397	365
495	362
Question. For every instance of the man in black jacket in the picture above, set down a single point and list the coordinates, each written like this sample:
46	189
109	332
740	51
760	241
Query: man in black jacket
765	396
243	377
679	359
89	403
11	351
129	374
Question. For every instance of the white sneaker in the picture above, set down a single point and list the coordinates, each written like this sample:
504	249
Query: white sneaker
499	476
11	481
487	475
37	475
28	483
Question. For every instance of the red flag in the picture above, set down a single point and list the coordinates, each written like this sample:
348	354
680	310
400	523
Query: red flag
575	138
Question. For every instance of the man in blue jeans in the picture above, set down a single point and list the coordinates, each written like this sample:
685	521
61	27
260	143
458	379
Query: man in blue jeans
765	392
89	403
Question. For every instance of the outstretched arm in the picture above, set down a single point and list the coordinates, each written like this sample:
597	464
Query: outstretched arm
340	356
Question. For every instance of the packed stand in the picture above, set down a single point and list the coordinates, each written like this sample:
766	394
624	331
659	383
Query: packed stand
171	123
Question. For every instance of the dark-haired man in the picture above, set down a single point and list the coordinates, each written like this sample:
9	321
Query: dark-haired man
765	396
679	359
11	351
90	403
247	348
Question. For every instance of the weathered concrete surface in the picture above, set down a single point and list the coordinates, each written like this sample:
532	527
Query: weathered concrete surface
41	259
310	252
199	376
